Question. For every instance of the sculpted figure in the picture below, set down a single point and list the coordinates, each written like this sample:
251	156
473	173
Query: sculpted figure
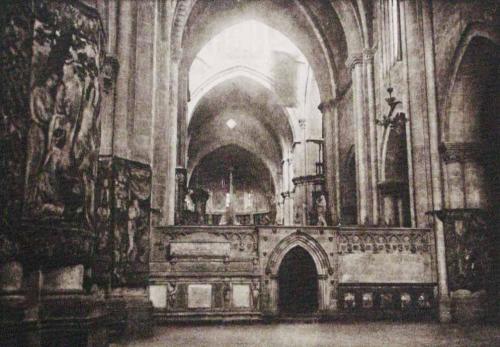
171	294
133	214
321	210
279	212
63	138
255	294
188	201
42	104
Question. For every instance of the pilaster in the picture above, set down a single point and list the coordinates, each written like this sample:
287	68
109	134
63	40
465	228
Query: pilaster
362	136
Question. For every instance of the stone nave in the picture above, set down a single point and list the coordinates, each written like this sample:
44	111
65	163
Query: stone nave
167	161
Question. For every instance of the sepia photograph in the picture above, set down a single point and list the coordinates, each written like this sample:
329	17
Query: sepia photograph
268	173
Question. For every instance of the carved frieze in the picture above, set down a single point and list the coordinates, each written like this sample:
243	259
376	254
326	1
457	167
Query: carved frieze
397	241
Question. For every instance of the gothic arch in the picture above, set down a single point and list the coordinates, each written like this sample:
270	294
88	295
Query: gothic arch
233	73
317	253
472	31
308	243
192	164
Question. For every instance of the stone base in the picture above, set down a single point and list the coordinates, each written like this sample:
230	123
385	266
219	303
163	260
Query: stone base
467	307
72	320
444	310
12	305
130	317
163	317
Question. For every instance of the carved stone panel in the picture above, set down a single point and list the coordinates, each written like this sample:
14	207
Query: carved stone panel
195	249
123	200
131	221
199	296
470	248
241	295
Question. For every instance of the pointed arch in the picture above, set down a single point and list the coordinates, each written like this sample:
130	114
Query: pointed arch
472	31
309	244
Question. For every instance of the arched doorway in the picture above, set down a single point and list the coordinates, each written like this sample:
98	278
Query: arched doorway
297	283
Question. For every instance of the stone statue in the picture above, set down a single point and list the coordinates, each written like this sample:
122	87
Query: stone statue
226	291
188	201
321	207
171	295
279	212
133	214
255	294
42	105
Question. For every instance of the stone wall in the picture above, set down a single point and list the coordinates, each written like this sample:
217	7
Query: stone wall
227	273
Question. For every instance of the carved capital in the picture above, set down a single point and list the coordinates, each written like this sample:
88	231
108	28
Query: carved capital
368	55
461	152
353	60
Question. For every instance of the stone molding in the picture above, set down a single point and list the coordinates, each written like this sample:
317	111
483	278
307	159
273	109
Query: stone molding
318	179
416	241
461	152
353	60
368	55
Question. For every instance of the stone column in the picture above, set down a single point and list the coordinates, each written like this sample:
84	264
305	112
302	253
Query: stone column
124	86
435	161
331	157
370	96
362	136
110	71
163	169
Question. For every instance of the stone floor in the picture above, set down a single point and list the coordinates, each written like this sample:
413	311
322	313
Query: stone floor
324	334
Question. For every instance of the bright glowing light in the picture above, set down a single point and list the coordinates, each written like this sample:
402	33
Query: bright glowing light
231	123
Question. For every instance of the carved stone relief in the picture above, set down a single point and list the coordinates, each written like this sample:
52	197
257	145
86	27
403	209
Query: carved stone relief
64	126
131	216
387	242
469	248
123	200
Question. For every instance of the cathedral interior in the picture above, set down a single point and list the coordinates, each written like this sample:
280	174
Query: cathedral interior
187	161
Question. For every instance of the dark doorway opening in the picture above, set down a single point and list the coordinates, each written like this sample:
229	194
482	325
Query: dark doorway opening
298	283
